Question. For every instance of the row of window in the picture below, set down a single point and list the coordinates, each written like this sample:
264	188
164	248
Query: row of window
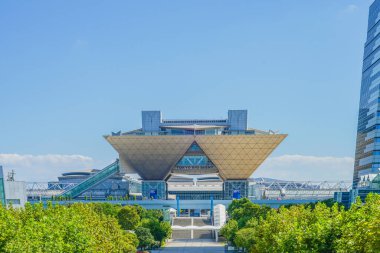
13	201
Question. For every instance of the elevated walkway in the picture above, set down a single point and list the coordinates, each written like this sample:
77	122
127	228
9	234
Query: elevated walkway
185	204
99	177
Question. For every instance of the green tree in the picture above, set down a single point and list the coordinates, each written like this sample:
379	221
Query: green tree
361	227
245	238
298	228
75	228
107	208
237	203
160	230
229	230
248	211
153	214
128	217
146	239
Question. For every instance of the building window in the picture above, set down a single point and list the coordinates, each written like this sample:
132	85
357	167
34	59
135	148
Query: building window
13	201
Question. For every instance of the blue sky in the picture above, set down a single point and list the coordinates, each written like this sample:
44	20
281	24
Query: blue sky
72	71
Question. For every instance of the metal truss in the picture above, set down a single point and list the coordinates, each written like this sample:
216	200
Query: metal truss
261	188
46	190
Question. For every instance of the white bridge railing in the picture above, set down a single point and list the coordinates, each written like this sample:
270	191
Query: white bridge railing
261	188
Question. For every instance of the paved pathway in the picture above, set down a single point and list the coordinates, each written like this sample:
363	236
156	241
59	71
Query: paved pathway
192	246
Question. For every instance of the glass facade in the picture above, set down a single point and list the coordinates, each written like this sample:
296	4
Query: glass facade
367	155
235	189
165	131
195	161
154	189
195	157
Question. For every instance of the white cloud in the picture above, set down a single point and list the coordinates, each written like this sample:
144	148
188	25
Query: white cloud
350	8
287	167
313	168
43	167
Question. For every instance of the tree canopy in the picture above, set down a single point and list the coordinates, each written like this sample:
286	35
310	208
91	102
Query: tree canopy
74	228
146	239
93	227
321	227
128	217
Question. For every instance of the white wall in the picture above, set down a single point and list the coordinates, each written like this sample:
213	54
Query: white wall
219	215
15	192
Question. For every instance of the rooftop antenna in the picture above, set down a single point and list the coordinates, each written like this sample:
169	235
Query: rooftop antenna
11	175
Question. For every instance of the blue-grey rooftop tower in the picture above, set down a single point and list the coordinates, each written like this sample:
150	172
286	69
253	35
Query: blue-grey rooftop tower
367	155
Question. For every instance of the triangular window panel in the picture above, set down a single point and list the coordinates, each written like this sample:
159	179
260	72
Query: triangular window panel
194	148
195	162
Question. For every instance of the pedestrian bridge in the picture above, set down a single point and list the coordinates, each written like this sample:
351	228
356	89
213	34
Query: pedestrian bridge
185	204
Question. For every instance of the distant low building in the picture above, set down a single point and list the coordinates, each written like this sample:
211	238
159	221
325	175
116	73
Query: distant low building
367	184
12	192
116	186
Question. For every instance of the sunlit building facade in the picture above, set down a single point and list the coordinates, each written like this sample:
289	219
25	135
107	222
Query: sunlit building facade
222	151
367	155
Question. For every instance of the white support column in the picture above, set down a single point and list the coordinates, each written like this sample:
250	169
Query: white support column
216	235
192	224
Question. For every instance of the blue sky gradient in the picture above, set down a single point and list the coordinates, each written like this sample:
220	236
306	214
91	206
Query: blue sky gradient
72	71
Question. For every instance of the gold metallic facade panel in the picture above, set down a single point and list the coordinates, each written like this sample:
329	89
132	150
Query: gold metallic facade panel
127	168
151	156
238	156
235	156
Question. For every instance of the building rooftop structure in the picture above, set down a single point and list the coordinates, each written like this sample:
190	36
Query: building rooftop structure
154	124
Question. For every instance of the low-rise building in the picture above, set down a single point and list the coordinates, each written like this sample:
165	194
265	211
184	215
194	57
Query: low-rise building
12	192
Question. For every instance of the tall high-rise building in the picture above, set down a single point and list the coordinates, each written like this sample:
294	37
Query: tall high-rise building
367	155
